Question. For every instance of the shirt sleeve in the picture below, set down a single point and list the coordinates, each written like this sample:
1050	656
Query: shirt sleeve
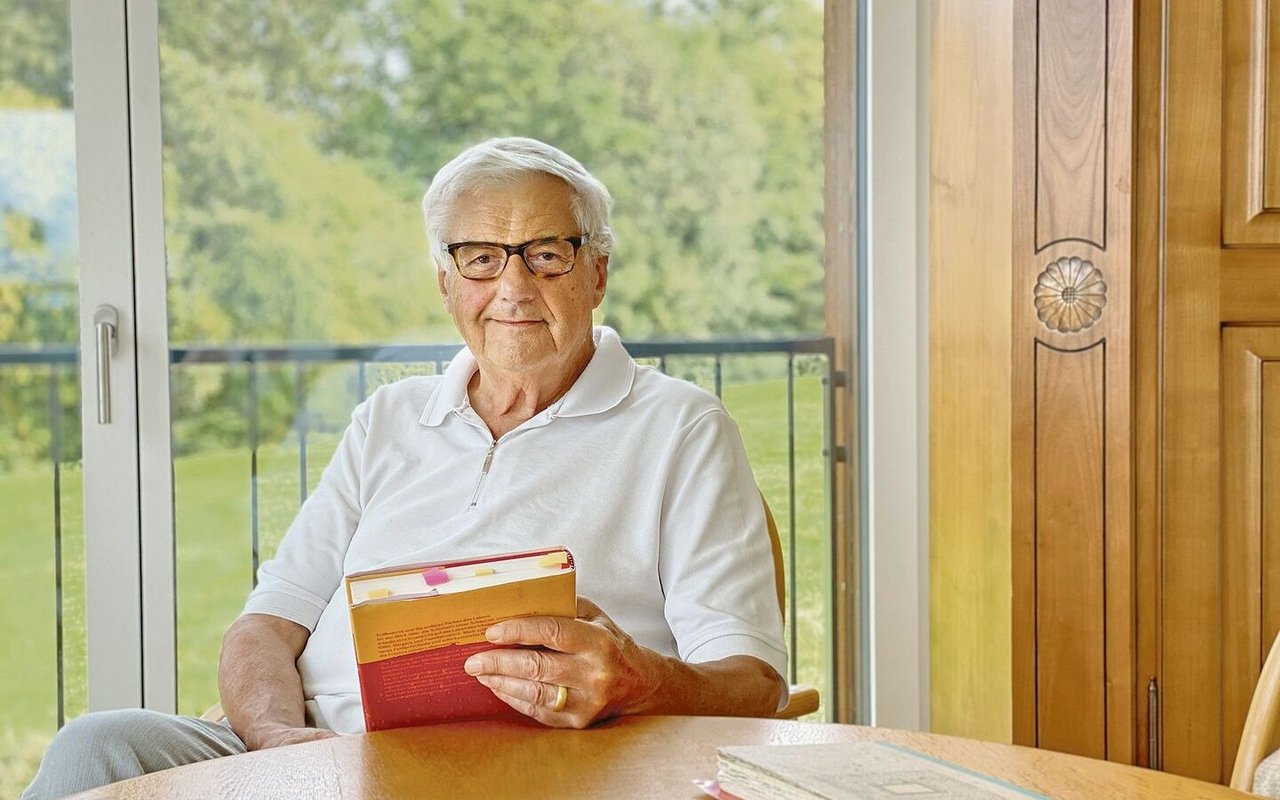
715	559
307	568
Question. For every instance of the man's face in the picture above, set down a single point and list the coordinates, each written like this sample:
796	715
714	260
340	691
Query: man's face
518	321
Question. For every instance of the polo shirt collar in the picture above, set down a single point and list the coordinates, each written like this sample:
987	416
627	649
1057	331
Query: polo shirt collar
602	385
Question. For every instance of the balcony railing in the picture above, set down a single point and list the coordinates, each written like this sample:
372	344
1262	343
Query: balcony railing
718	365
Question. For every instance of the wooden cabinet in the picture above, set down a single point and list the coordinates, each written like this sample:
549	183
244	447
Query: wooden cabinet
1145	374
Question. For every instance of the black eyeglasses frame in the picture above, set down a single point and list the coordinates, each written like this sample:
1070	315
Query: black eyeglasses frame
517	249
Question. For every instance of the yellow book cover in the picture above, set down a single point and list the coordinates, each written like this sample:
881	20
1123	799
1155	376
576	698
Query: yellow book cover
414	625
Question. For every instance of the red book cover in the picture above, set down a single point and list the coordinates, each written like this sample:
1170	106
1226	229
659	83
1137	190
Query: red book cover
414	625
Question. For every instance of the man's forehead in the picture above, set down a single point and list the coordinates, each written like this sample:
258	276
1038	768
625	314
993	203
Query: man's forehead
530	202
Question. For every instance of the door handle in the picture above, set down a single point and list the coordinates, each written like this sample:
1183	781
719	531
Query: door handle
106	321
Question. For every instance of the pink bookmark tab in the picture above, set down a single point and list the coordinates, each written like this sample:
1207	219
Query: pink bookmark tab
434	576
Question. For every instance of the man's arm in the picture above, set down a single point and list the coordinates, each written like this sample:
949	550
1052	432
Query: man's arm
259	682
607	674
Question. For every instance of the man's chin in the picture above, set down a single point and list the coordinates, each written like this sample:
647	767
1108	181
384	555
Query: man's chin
519	357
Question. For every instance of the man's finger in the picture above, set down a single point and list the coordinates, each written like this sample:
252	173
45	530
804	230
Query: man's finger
543	714
536	693
590	611
529	665
540	713
557	633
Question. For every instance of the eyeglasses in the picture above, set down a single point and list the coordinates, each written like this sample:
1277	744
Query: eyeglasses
481	261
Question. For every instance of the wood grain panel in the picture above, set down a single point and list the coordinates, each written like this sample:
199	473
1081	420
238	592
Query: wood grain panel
1250	523
1190	649
1271	93
1241	524
1070	548
1250	214
1269	433
1060	302
841	293
1147	376
1071	131
970	128
1250	285
1123	689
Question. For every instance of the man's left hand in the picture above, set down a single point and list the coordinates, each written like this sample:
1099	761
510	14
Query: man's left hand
603	671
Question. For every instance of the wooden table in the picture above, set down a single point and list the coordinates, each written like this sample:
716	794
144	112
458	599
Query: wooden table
640	757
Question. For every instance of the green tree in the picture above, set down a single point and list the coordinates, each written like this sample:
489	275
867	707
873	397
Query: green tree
35	54
299	136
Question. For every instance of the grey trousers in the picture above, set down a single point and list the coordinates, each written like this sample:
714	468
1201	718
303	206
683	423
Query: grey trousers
109	746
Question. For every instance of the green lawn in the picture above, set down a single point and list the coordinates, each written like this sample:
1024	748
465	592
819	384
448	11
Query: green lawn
214	572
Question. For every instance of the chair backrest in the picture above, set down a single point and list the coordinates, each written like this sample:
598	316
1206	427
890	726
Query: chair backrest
801	699
775	542
1258	739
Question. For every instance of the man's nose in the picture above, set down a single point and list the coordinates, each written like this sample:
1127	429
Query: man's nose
516	281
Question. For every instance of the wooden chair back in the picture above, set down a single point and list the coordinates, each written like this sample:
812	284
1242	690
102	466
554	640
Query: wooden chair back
802	699
779	571
1258	739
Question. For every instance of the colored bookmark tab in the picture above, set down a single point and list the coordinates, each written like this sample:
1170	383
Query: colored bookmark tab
482	571
554	559
434	576
378	594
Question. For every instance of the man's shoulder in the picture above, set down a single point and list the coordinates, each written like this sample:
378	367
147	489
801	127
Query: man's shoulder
406	397
675	395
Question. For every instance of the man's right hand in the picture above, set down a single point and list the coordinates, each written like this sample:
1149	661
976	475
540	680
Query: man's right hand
281	735
259	684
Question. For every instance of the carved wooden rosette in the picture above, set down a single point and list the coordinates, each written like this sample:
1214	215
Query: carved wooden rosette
1073	606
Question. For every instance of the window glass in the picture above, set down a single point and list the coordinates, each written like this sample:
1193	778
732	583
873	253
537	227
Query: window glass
42	662
298	140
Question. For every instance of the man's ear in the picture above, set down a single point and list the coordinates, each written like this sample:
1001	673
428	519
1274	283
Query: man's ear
444	287
602	278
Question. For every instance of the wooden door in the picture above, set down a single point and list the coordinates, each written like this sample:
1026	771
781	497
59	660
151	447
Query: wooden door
1207	278
1073	547
1146	416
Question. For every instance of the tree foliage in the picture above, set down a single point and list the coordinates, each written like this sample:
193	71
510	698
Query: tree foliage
299	135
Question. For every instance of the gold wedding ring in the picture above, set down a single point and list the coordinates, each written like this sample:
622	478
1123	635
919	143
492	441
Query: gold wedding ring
562	697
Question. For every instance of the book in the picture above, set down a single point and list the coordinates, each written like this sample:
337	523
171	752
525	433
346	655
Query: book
414	625
850	771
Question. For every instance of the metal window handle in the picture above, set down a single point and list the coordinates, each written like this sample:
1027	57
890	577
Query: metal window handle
106	320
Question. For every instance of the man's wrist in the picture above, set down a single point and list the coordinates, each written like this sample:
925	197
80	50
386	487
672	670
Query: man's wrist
658	680
262	735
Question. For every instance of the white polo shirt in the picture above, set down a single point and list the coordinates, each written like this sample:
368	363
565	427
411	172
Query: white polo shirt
644	478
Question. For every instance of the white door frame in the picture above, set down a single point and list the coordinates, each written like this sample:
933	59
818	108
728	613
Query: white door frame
155	455
896	370
151	291
127	480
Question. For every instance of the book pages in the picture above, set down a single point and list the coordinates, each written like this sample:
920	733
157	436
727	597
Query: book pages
853	771
403	583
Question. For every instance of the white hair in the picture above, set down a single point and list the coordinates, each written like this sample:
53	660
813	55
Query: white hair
500	161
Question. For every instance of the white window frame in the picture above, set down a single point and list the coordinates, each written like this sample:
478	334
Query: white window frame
128	526
896	368
128	471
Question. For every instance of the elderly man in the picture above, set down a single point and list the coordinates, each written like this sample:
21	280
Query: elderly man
543	431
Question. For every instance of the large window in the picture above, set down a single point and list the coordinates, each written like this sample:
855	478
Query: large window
298	138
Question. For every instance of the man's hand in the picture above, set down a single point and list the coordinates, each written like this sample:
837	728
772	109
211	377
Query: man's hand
281	735
259	684
604	672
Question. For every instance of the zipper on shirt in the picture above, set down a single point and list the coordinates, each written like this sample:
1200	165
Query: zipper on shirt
484	473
